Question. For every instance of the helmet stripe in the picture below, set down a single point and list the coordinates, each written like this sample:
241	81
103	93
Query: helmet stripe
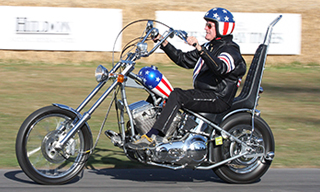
233	25
225	28
228	27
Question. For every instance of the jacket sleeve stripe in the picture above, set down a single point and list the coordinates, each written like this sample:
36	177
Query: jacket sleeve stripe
228	60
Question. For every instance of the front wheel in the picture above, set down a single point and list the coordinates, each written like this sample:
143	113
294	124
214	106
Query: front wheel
244	170
34	146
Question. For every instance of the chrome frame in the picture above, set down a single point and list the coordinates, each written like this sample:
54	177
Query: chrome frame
128	65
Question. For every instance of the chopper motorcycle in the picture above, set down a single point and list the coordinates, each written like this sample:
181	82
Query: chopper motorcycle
54	143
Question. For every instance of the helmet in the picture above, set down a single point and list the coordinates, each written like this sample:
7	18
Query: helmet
223	20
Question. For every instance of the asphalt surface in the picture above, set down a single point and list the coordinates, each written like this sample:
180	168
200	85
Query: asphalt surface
275	180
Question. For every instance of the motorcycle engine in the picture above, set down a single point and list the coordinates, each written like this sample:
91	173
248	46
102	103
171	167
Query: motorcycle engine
145	115
191	151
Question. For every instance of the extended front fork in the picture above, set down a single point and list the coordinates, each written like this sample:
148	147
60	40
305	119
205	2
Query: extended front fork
58	145
87	115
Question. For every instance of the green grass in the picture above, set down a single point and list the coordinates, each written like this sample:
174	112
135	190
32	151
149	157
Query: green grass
290	104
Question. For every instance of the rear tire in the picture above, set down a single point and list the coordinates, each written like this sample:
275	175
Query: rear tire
34	147
243	170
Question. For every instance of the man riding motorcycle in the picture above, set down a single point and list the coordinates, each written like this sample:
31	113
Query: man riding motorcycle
218	69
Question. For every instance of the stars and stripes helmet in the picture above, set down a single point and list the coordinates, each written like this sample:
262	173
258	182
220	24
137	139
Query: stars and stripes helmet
155	81
223	20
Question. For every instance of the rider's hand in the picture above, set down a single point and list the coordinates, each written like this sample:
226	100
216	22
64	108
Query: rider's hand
194	42
156	39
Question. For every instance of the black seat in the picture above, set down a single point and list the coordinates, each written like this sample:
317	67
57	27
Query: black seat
249	92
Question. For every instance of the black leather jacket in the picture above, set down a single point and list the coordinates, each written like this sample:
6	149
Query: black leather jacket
214	73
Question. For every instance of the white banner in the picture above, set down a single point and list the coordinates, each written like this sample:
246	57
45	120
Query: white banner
249	31
62	29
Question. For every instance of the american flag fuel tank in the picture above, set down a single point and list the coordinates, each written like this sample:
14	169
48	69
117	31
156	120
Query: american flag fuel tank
155	81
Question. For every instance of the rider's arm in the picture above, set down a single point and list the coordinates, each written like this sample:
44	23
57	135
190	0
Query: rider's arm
187	60
224	63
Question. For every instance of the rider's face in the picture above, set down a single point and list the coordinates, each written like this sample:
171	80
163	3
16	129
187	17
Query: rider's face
210	30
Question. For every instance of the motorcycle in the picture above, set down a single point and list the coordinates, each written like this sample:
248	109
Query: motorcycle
54	143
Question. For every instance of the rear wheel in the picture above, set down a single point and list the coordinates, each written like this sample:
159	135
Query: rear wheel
34	146
244	170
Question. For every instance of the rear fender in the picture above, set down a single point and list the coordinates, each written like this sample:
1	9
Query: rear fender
257	112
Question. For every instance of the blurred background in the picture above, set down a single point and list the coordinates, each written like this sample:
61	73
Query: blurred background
30	79
142	9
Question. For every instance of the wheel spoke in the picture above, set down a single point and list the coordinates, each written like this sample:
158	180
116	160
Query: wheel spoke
242	164
33	151
251	166
43	157
35	143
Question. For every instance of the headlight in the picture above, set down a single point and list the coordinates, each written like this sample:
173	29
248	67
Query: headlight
101	73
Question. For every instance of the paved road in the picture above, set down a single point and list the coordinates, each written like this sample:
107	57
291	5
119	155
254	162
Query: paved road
276	180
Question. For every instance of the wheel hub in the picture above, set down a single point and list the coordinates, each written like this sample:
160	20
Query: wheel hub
248	162
48	150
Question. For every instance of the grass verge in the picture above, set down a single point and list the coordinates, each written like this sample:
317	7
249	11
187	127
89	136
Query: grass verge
290	104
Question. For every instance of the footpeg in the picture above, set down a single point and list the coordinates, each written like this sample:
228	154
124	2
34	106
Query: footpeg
114	137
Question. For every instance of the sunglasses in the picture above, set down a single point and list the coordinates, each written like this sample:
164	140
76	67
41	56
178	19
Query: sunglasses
209	25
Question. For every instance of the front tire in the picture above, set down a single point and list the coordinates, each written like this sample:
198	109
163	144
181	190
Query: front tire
34	149
243	170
